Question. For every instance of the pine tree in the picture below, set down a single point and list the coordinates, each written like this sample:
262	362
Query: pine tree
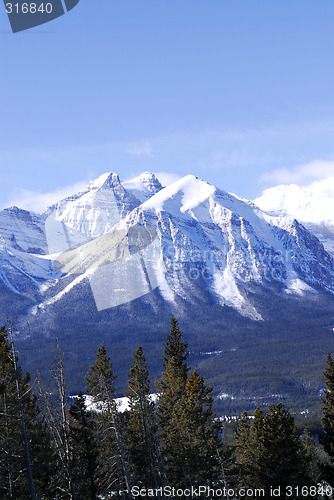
141	426
55	406
282	463
249	449
24	442
311	459
328	417
244	451
198	433
269	452
171	391
113	469
257	447
84	449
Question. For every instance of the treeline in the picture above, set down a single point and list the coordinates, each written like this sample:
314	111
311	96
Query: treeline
88	449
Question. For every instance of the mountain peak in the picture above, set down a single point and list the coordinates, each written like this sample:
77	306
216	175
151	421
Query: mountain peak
143	186
191	189
106	180
313	203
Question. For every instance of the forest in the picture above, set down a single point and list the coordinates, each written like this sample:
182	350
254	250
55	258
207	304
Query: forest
56	447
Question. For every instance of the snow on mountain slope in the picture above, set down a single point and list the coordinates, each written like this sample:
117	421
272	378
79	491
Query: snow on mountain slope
143	186
191	238
25	237
23	230
22	272
242	243
86	215
313	205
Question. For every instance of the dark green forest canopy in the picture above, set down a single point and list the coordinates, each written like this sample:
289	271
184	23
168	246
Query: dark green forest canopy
80	451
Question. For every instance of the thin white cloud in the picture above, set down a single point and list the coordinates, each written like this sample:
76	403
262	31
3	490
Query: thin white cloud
142	149
37	201
300	174
167	178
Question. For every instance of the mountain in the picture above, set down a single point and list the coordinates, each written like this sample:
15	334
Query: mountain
143	186
112	263
312	205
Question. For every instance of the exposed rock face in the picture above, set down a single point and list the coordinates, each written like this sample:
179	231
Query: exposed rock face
128	239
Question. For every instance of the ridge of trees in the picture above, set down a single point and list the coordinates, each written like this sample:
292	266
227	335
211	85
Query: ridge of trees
51	448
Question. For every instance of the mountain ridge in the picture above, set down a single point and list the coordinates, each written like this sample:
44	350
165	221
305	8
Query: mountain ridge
112	263
245	239
313	205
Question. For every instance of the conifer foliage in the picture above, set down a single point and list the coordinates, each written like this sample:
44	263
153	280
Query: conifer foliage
141	426
55	405
84	449
81	451
245	451
328	417
113	468
24	445
198	432
172	389
269	451
189	433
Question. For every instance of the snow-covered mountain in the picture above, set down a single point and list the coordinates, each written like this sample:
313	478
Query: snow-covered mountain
185	240
313	205
112	263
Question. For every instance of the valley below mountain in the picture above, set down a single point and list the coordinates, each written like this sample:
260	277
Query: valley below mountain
252	288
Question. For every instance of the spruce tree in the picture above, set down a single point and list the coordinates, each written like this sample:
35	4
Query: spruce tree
171	391
249	449
55	406
198	433
282	457
257	446
328	417
269	452
113	468
244	451
84	449
141	426
311	459
25	453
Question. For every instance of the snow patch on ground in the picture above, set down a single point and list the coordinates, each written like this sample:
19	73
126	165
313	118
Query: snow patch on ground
122	404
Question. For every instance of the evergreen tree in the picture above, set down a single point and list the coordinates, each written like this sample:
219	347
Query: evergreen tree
282	456
328	418
198	433
244	451
84	450
257	446
249	449
113	469
141	426
269	452
171	391
311	459
24	442
55	406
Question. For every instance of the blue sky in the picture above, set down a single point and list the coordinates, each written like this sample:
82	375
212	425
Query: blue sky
237	92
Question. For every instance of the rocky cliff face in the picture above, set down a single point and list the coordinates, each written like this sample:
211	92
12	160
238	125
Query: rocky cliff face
253	290
183	240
